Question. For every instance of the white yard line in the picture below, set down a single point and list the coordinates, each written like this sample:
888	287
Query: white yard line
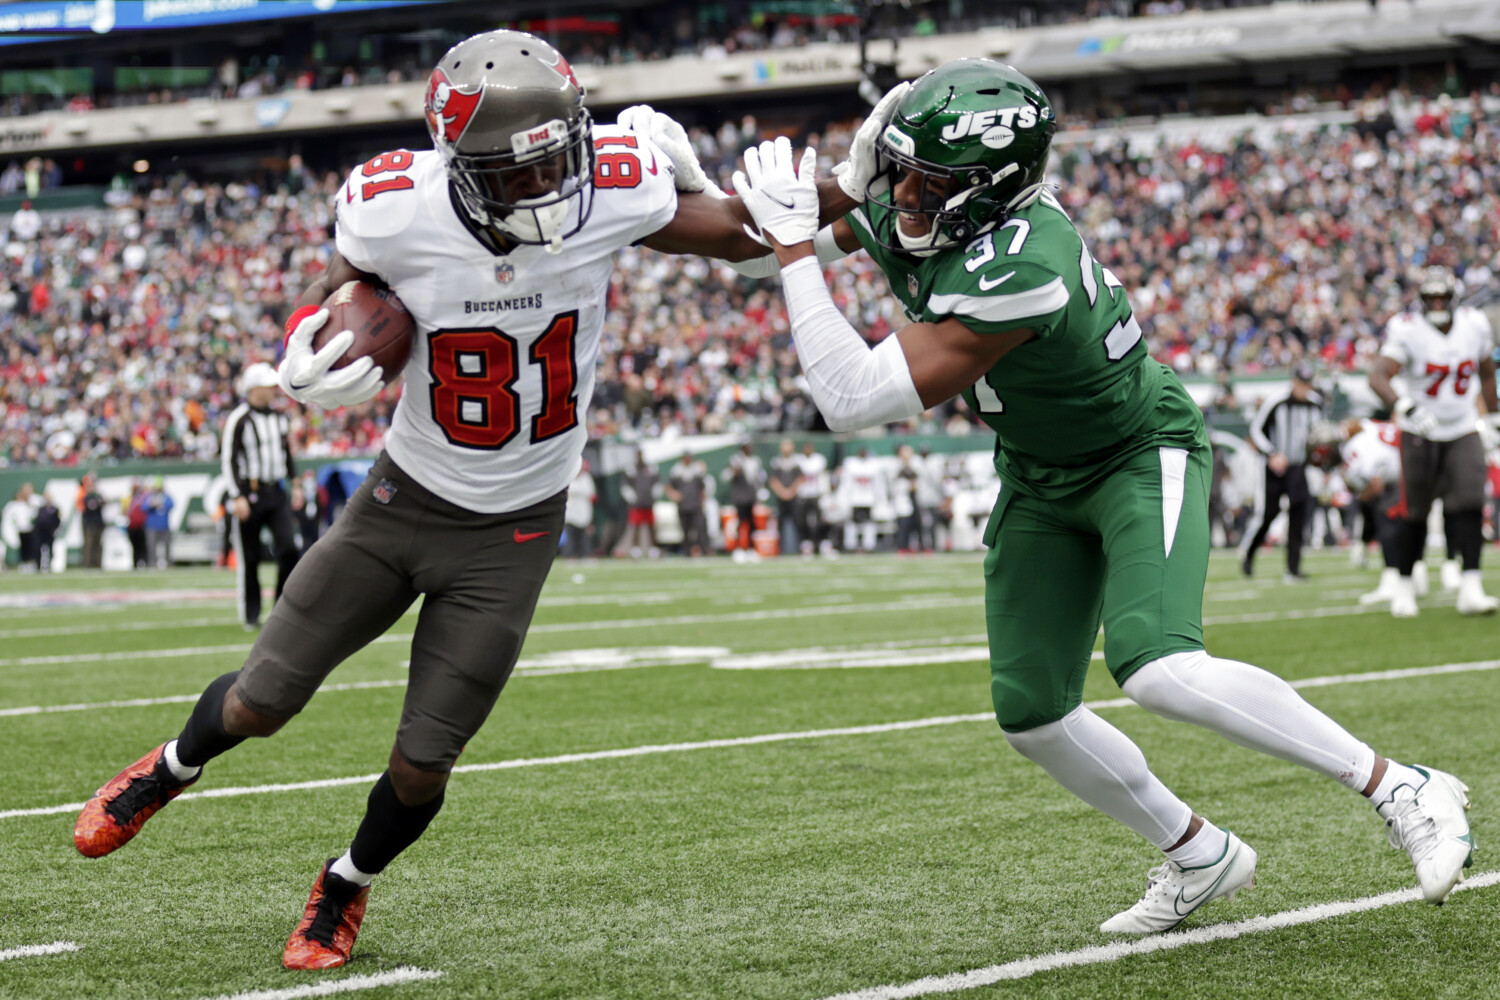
35	950
744	741
396	977
1117	950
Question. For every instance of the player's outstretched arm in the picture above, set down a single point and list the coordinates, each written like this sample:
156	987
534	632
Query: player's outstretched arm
854	386
723	227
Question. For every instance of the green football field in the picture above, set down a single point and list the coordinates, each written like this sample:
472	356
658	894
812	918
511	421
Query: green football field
718	781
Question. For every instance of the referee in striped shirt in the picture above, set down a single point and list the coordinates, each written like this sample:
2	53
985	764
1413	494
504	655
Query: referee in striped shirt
1281	432
257	463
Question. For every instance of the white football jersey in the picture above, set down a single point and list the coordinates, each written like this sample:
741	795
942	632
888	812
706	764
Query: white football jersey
1440	371
863	481
1373	453
492	416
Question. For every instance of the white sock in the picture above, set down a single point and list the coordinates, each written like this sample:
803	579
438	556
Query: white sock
1207	846
1473	577
1100	765
344	869
1395	776
179	770
1251	707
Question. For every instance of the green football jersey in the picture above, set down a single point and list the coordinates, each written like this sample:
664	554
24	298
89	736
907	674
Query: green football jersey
1074	403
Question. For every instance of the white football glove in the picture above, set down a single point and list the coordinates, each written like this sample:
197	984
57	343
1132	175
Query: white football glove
305	376
1413	419
1488	426
672	139
863	165
783	203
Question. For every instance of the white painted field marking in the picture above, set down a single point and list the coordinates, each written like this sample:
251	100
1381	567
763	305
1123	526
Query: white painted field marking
135	626
1117	950
35	950
176	699
396	977
915	604
745	741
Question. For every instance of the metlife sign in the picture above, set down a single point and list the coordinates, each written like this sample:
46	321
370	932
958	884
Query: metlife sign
48	20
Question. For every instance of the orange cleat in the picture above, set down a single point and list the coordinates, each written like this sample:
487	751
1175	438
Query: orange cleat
121	807
329	925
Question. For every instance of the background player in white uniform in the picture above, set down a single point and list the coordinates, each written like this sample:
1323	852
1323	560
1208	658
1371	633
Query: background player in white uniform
500	243
1444	357
1371	468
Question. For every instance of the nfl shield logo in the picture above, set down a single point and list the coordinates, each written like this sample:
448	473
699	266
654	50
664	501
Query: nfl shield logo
504	272
384	490
911	283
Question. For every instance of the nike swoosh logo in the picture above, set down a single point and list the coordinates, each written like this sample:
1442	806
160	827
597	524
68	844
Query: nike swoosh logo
985	284
652	169
783	204
1193	903
526	536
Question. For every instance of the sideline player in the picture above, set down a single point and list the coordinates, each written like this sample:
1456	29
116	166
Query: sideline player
500	242
1104	459
1369	462
1445	357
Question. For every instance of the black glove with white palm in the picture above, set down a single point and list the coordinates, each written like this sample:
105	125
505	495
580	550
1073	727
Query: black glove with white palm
307	376
864	164
1413	418
783	202
672	139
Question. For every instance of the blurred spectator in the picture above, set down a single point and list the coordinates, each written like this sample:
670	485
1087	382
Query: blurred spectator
17	524
158	507
45	527
91	517
810	496
785	481
687	486
307	510
135	524
744	474
639	490
579	514
25	223
862	482
928	496
904	500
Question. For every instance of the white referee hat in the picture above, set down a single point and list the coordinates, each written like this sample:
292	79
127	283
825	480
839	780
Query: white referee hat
257	376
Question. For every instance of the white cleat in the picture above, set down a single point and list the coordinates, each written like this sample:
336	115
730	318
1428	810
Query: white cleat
1404	599
1419	578
1450	575
1472	600
1385	591
1429	823
1173	892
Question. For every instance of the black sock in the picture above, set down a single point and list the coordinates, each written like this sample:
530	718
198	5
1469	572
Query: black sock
389	827
204	737
1466	535
1413	540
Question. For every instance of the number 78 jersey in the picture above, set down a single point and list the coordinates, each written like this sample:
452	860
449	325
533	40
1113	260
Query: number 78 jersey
1440	370
500	377
1082	397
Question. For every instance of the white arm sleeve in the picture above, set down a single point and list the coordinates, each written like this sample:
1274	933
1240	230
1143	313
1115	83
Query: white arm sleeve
824	244
852	385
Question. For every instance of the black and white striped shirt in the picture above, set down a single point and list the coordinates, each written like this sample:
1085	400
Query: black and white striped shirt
254	451
1283	425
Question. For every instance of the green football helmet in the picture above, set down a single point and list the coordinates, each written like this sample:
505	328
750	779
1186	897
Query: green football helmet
981	126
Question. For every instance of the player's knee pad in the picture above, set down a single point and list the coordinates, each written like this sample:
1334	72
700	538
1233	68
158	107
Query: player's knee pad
1021	704
1158	686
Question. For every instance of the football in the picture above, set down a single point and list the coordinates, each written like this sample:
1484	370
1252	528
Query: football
383	329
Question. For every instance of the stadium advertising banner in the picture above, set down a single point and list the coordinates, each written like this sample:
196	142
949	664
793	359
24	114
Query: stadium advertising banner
49	20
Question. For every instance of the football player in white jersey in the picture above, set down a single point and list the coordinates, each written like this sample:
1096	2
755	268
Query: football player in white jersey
1444	357
500	242
1370	465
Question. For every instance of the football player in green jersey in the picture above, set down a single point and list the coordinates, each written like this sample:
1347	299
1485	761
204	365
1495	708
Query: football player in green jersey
1102	455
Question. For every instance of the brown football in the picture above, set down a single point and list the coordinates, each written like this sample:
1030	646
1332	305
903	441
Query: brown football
383	330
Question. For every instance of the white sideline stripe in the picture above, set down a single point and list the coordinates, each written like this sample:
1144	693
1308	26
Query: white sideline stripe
744	741
567	758
405	974
1113	952
35	950
135	626
175	699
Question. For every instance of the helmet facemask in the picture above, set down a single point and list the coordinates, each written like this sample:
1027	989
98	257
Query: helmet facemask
560	155
1437	291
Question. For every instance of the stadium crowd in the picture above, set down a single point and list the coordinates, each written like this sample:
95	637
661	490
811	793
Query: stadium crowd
122	331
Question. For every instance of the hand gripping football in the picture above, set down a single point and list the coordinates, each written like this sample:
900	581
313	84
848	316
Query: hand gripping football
383	330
